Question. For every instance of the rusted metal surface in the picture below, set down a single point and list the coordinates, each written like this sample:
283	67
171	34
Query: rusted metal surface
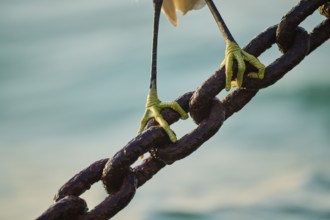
121	180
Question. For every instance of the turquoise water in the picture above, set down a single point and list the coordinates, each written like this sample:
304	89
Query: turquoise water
73	81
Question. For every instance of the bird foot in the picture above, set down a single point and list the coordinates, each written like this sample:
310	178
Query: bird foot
234	52
153	108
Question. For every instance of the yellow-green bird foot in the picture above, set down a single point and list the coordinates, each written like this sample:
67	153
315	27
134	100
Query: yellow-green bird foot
153	108
234	52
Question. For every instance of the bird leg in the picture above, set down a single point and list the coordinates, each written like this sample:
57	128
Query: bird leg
153	104
234	52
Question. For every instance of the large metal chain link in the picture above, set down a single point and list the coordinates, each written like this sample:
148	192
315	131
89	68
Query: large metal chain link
121	180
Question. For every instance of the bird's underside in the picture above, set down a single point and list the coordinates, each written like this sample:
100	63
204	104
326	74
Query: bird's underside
170	7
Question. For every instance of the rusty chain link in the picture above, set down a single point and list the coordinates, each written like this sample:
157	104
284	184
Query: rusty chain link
121	180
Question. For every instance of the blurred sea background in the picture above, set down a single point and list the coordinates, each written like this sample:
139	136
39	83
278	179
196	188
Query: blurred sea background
74	77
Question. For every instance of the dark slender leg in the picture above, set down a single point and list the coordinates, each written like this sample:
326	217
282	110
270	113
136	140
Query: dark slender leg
153	77
154	105
220	22
234	52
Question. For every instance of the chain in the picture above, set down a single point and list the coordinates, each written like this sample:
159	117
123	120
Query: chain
121	180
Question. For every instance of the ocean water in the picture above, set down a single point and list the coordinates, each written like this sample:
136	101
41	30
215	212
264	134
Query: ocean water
73	82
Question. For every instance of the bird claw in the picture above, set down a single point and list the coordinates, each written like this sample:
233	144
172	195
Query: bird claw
234	52
153	108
